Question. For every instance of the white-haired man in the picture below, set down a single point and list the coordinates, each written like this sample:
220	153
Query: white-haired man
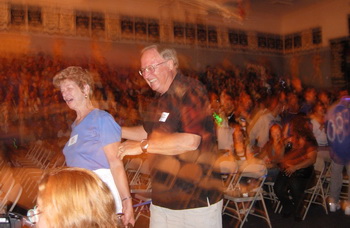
178	127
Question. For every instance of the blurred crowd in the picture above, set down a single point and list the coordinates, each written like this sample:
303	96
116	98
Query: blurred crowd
32	109
31	106
260	117
245	107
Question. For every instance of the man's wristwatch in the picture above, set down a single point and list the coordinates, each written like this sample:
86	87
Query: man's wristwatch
144	145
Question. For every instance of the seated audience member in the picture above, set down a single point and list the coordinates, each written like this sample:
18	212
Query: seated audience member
296	168
259	110
309	96
291	109
73	197
317	119
273	151
241	147
259	133
224	129
214	102
245	107
324	98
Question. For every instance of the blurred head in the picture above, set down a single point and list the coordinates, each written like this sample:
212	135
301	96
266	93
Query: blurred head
246	101
319	109
76	85
342	93
310	95
227	102
158	67
301	130
274	105
293	102
296	83
238	134
324	98
74	197
275	132
214	102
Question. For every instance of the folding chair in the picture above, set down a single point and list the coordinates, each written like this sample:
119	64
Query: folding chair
144	180
270	194
46	159
5	190
250	183
142	206
29	178
5	174
228	168
2	163
187	179
34	153
165	174
316	193
132	169
14	196
57	160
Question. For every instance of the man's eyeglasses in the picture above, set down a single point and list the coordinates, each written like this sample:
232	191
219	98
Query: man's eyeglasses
150	68
32	215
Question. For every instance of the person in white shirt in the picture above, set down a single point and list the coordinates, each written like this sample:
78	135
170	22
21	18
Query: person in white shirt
259	133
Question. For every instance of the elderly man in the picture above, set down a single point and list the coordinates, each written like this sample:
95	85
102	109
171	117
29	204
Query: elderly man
178	130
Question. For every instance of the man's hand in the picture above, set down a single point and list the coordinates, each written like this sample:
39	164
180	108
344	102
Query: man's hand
290	170
129	148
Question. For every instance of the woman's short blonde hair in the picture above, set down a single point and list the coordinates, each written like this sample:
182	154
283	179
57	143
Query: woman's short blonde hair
76	197
77	74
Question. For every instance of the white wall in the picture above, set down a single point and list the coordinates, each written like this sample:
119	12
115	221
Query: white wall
331	15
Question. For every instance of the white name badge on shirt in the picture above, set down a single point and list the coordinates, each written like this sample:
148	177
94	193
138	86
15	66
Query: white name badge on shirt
164	116
73	140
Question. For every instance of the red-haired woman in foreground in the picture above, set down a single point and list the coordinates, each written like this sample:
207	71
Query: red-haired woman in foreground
73	198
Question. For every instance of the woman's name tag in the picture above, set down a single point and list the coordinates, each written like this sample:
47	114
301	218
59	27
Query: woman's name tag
73	140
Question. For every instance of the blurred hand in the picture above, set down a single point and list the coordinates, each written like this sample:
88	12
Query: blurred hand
267	160
290	170
129	148
128	217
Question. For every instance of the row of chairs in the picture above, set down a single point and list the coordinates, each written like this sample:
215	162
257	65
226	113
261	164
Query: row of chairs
243	186
138	173
315	194
242	194
238	206
10	189
40	155
25	169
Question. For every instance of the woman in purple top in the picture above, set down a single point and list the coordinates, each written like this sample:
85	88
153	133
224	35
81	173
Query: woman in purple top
95	137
